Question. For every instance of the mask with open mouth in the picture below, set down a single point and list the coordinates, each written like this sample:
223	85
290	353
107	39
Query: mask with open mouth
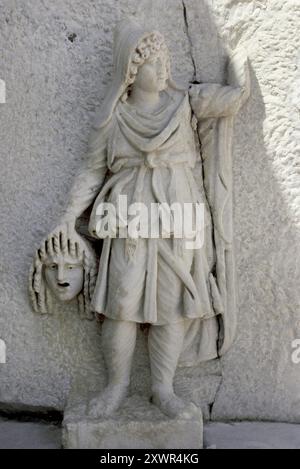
64	275
66	269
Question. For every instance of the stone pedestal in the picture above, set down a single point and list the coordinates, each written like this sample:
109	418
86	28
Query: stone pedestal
138	425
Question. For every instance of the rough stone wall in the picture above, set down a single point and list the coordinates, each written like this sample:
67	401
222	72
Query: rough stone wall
56	62
260	381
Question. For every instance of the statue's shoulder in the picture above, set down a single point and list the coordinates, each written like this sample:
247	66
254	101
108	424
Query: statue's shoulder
177	94
179	99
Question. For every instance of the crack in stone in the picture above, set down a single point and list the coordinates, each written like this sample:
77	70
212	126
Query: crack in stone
194	80
185	17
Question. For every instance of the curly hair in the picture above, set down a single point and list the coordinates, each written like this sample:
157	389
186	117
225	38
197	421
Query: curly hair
77	248
150	46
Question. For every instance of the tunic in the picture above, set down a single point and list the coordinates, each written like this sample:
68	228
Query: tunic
151	159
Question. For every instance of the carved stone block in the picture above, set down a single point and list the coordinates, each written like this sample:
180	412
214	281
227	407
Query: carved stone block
138	425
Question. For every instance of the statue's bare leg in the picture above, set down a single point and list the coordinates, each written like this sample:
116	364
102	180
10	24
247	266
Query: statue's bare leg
165	344
119	338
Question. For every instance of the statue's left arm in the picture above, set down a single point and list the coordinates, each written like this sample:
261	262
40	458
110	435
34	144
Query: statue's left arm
213	100
215	107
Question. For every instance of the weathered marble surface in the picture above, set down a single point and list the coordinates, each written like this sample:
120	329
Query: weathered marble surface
137	425
57	60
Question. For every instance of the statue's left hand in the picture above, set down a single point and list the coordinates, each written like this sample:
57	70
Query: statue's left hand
238	74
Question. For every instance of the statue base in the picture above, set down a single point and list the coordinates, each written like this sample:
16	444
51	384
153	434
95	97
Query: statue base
138	425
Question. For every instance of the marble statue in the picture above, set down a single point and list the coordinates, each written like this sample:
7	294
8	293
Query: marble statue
147	142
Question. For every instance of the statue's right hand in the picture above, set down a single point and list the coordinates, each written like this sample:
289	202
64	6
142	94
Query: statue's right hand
66	227
69	221
62	236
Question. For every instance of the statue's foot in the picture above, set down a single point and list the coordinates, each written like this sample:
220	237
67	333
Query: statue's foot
173	406
108	401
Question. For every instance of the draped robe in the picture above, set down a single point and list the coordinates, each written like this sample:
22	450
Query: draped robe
151	157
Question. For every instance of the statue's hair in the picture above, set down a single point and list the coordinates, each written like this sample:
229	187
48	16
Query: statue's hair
147	47
56	244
